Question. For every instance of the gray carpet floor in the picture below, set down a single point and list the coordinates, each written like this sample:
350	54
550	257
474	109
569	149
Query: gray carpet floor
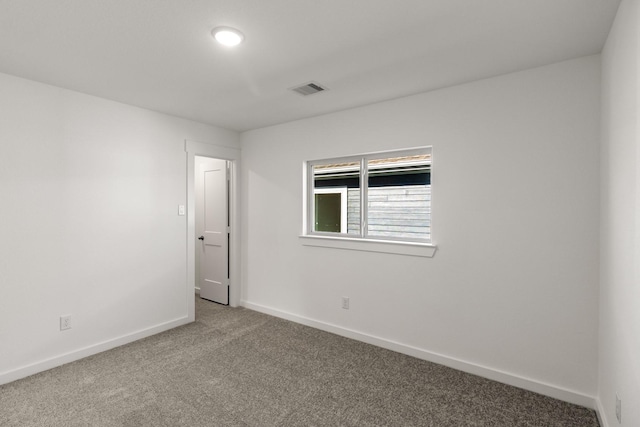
237	367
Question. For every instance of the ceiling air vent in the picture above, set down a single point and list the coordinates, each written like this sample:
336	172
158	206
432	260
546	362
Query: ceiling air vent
308	88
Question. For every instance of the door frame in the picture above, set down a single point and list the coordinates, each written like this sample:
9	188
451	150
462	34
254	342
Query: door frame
193	149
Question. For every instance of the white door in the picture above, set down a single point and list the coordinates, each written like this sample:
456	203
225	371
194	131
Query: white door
213	237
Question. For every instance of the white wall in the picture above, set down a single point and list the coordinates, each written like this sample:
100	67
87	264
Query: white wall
620	275
89	224
512	292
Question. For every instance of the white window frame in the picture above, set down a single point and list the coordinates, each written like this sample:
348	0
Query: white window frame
361	241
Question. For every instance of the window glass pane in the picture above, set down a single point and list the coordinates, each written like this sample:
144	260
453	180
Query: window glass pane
399	197
336	188
328	209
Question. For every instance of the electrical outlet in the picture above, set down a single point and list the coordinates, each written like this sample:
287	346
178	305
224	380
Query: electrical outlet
618	409
345	303
65	322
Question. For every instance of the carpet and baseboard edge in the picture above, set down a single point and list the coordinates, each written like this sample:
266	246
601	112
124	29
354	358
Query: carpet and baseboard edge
90	350
555	392
600	413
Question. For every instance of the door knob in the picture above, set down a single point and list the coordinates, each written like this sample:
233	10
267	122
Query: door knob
201	238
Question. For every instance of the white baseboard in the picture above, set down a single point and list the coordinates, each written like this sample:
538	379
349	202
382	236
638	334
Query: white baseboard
461	365
601	413
34	368
197	290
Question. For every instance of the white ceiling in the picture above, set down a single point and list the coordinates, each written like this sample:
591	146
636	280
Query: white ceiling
159	54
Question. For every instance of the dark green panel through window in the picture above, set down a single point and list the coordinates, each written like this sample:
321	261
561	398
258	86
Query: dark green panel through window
327	212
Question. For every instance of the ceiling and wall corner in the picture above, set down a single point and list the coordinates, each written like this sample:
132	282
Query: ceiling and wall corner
161	56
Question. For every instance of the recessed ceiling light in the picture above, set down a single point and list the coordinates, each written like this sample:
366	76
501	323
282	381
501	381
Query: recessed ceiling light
227	36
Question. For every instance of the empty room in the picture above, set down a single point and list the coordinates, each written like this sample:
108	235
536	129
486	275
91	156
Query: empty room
320	213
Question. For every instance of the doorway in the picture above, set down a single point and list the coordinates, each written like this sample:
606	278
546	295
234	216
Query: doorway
213	228
232	157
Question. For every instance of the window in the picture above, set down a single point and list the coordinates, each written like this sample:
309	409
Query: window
375	197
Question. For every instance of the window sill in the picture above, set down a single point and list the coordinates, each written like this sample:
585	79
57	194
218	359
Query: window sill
426	250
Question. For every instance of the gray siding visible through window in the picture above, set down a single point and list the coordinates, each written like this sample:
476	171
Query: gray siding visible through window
398	211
